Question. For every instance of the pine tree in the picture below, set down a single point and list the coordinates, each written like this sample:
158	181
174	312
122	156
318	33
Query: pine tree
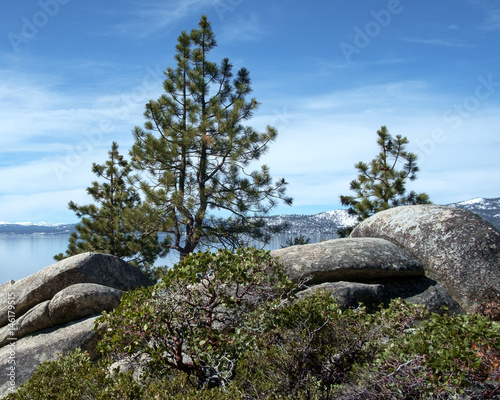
194	151
296	241
118	223
381	184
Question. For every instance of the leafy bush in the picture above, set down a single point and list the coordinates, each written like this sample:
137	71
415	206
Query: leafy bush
74	376
303	349
441	357
188	321
455	351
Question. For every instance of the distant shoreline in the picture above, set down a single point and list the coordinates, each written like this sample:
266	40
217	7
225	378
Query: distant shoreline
34	234
36	230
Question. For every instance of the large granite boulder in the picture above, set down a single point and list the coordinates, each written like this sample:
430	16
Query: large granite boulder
457	248
43	285
355	260
435	297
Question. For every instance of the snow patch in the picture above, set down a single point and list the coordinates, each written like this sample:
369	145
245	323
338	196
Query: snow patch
471	201
49	224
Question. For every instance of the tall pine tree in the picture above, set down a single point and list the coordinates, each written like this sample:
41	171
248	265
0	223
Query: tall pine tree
381	184
194	151
117	223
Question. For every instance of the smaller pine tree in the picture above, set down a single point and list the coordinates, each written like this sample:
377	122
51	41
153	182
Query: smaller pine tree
381	184
296	241
118	223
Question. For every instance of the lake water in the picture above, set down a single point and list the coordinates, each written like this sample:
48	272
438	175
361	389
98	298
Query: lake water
23	255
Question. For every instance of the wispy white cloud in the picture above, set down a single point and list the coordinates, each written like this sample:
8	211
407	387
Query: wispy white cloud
437	42
46	206
29	107
242	28
323	136
492	14
328	66
41	113
151	17
51	135
492	21
370	98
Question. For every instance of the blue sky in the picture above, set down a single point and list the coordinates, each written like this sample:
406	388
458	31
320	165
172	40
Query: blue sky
75	75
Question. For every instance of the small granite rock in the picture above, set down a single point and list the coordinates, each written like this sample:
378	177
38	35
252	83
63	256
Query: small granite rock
349	294
81	300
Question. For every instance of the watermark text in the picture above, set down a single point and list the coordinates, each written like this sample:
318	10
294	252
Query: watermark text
31	26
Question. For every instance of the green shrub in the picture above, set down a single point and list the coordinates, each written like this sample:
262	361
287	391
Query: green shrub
303	350
441	357
188	322
455	351
73	377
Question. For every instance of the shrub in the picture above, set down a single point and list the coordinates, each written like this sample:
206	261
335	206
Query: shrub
73	377
304	350
230	321
440	357
455	351
188	321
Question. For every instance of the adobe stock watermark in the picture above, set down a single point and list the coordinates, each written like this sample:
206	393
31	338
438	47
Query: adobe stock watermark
280	119
31	26
363	37
152	80
76	154
224	6
470	104
12	339
456	114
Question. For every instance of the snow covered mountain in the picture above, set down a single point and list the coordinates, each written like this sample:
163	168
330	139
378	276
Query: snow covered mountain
329	222
30	228
324	223
489	209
